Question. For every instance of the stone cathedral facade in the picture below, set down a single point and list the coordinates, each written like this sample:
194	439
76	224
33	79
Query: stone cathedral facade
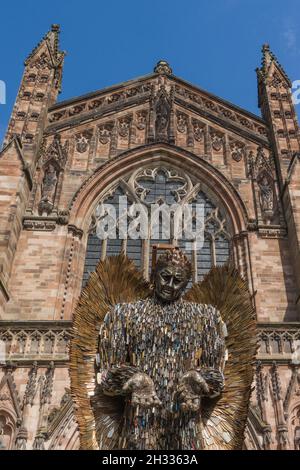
155	138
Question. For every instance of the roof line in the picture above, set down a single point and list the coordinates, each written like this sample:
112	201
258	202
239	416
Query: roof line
95	93
147	77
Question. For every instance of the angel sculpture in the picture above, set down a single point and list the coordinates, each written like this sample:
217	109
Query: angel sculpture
172	372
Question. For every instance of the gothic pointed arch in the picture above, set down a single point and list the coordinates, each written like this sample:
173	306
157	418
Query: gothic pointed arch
227	219
87	195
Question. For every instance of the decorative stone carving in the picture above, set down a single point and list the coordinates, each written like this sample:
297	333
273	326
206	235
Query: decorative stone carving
41	62
39	96
28	344
162	114
48	385
48	189
57	116
31	385
56	152
39	223
237	150
217	141
96	103
76	109
141	120
287	339
221	111
53	160
124	126
182	122
293	389
20	116
28	139
198	128
83	141
105	132
260	168
266	195
162	67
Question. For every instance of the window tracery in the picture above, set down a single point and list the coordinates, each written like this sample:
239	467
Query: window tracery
164	186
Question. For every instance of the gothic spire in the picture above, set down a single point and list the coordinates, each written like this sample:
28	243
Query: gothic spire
270	64
49	43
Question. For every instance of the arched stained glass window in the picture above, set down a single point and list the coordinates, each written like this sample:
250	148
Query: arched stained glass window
161	185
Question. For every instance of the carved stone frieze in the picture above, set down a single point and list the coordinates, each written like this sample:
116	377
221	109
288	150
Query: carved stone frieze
105	132
83	141
26	343
97	103
237	150
182	122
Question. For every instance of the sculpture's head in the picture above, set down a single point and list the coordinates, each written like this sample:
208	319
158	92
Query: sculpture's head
172	273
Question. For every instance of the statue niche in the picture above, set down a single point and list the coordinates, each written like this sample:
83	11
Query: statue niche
162	116
266	196
48	189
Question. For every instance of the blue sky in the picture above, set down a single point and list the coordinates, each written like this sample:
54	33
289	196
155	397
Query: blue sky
215	44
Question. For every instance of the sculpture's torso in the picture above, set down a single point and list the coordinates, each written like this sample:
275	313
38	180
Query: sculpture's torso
164	341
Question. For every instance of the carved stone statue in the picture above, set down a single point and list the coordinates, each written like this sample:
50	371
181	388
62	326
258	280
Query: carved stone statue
48	189
162	120
162	378
266	195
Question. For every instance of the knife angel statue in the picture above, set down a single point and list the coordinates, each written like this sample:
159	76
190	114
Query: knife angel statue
154	367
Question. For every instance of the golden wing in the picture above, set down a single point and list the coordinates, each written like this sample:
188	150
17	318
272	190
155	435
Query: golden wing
224	419
115	280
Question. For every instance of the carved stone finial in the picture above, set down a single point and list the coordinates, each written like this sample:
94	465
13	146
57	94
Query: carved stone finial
163	67
55	28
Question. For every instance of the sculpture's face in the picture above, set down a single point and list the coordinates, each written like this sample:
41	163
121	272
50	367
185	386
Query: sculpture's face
170	282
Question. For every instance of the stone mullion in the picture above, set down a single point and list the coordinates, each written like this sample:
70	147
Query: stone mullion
151	123
238	252
194	261
132	134
213	252
190	133
92	148
145	257
207	143
114	140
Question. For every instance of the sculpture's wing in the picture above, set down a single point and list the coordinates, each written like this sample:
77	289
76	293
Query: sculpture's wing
224	419
115	280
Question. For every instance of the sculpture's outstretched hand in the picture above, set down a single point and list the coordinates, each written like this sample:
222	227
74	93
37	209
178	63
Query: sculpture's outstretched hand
143	392
191	388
